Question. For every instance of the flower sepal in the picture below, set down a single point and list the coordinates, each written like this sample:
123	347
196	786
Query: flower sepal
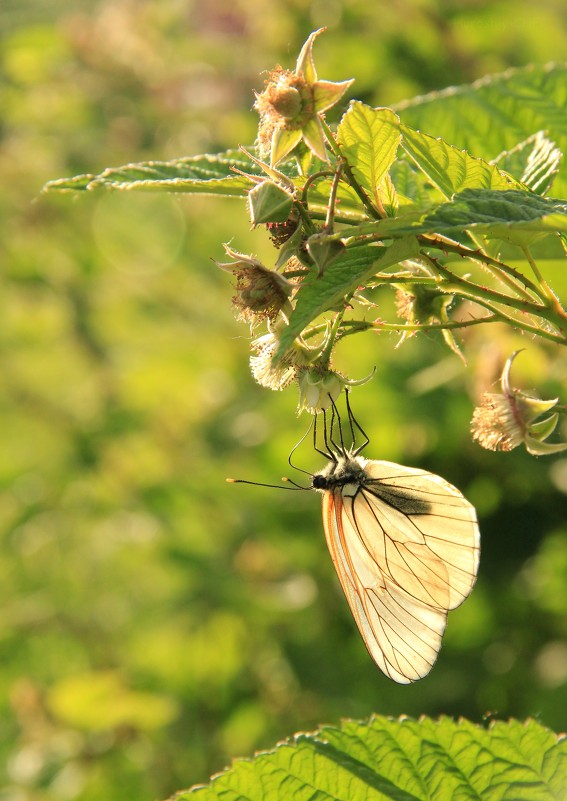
324	251
269	203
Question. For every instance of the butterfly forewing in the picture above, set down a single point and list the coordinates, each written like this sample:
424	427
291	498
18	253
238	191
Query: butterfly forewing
405	545
437	514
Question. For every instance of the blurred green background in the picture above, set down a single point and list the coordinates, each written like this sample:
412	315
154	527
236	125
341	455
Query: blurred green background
155	620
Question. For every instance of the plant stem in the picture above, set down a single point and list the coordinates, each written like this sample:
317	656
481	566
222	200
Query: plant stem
363	325
328	349
550	296
305	216
504	273
449	282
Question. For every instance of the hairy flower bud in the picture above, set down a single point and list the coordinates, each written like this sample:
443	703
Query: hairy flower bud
260	293
290	105
502	421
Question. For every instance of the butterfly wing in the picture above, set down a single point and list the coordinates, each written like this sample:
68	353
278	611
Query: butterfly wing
405	546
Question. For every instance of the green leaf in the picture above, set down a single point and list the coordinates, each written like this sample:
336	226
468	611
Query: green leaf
515	216
369	139
78	183
207	174
451	169
535	162
411	185
495	113
348	202
387	759
320	294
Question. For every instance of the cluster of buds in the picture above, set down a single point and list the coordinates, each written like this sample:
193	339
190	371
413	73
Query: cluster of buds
289	109
504	420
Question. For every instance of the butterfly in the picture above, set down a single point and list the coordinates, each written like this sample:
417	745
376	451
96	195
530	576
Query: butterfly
405	544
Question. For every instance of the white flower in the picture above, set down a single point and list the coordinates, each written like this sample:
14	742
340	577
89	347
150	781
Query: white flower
280	375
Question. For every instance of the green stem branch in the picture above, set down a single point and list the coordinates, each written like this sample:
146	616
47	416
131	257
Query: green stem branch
550	296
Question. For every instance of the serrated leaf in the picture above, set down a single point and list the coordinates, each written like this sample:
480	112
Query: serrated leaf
207	174
411	184
387	759
76	184
388	197
496	112
535	162
320	294
369	139
515	216
451	169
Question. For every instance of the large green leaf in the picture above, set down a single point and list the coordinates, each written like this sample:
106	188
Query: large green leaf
451	169
369	140
535	162
319	294
402	760
514	215
496	112
208	174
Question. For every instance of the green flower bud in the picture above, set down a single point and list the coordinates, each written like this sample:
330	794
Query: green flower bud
318	389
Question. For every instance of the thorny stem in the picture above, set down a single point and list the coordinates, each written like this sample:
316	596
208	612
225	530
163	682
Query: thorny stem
356	326
504	273
511	277
483	295
363	325
305	216
311	180
333	198
326	354
551	297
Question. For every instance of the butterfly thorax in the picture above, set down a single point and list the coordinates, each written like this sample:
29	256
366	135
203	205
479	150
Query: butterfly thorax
346	472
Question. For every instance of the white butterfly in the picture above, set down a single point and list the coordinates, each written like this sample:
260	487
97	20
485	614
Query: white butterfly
405	544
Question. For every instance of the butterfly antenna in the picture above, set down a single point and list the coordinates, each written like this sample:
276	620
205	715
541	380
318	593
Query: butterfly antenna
261	484
354	424
295	484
